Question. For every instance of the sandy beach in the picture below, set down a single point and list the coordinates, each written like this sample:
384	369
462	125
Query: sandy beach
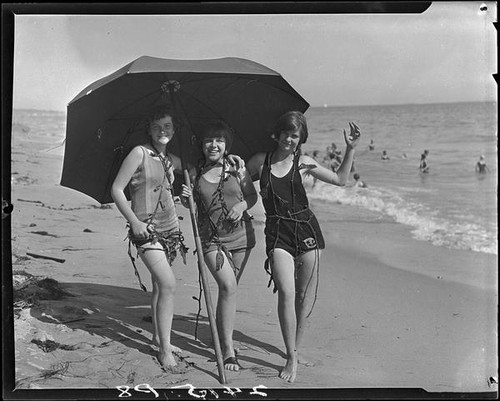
391	312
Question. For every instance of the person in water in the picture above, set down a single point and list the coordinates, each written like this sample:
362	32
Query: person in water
292	232
424	167
481	167
316	157
358	182
222	195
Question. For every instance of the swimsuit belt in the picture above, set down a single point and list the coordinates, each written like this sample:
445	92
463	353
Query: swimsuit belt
170	242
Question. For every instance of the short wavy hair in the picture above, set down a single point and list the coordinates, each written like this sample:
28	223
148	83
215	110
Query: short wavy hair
292	121
158	112
218	129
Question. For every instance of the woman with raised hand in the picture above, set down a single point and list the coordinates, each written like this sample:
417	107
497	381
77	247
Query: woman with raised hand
293	235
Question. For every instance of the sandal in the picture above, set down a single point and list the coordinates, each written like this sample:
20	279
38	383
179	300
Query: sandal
232	360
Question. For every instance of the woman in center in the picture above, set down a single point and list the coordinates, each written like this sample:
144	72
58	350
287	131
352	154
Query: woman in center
293	235
222	195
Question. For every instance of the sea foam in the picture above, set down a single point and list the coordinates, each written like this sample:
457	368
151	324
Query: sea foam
425	223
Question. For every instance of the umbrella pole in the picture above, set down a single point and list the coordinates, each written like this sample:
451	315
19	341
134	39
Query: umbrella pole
204	282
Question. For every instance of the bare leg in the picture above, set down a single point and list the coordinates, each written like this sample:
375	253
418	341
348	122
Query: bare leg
283	274
306	279
240	259
226	305
157	264
154	302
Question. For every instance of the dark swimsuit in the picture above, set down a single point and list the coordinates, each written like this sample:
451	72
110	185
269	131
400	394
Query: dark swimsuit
481	166
290	224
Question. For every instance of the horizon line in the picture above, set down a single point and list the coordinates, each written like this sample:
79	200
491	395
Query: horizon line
322	106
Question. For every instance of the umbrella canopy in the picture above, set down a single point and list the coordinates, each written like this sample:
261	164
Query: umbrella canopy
107	118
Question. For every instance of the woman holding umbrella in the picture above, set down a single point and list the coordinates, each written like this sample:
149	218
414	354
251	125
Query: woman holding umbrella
293	235
223	194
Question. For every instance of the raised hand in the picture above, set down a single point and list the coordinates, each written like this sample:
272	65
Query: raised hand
352	139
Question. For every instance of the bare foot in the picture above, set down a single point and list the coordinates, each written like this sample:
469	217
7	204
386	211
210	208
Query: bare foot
173	348
169	363
289	371
166	359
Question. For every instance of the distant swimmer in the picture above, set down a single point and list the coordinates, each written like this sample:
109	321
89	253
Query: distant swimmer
404	156
316	157
334	164
424	167
333	158
481	166
331	150
371	146
385	156
358	182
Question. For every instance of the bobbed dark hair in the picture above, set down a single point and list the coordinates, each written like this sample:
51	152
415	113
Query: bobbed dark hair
291	121
158	112
217	129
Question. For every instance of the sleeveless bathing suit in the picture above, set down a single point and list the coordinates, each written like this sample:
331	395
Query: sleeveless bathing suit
152	202
290	224
214	201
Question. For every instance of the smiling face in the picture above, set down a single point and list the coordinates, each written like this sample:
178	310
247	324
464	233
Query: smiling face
161	130
213	147
290	131
289	140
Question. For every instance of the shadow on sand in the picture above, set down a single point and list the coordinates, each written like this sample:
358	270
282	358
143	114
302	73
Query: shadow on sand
123	315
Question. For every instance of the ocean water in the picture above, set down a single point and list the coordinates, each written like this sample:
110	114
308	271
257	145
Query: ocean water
450	207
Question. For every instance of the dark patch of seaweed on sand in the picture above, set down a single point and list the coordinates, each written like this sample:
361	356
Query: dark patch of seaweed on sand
56	371
42	204
29	290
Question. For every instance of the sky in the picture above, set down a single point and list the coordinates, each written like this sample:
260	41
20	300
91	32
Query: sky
446	54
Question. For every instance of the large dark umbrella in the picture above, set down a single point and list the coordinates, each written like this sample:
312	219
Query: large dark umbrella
107	119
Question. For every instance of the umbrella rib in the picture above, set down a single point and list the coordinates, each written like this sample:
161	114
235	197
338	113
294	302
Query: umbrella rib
230	84
116	159
255	77
288	90
242	140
